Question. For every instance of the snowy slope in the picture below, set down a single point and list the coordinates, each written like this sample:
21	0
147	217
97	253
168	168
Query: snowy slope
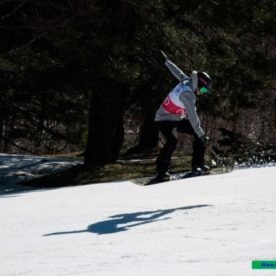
211	225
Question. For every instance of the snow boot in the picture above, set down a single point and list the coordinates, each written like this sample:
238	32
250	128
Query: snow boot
194	173
159	178
205	169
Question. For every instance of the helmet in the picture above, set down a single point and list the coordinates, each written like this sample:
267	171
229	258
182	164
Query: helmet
204	82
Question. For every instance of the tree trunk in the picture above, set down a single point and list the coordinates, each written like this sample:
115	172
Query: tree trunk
106	125
148	136
148	133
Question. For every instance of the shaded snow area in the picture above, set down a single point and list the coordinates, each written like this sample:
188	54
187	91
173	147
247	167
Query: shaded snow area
15	168
209	225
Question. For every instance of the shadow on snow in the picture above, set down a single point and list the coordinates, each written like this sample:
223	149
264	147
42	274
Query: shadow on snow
124	222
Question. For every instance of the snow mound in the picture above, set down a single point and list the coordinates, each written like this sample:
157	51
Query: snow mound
15	168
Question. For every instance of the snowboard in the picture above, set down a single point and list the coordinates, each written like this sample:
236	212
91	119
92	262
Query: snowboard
146	181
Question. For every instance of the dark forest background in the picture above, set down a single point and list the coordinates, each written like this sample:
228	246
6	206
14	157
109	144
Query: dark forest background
87	76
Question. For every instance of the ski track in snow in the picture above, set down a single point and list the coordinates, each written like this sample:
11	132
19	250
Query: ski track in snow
214	225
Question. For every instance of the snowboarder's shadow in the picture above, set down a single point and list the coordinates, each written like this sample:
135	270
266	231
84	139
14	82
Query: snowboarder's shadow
124	222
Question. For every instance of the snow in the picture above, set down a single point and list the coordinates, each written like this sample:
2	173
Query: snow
15	168
210	225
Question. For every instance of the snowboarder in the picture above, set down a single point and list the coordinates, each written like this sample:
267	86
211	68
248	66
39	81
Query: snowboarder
177	114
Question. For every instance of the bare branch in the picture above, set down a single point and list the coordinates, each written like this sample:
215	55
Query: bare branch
24	46
14	11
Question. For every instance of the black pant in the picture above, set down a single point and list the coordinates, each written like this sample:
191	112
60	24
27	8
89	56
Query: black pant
168	129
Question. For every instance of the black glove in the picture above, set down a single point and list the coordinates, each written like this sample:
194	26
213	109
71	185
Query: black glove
205	140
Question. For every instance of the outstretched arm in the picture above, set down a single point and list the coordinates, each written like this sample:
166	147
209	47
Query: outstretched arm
176	72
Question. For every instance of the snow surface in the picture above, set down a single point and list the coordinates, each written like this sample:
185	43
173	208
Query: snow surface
210	225
15	168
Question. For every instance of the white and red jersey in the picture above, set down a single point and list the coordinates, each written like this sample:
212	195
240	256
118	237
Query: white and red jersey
172	103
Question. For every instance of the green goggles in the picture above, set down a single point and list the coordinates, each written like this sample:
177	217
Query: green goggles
203	90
